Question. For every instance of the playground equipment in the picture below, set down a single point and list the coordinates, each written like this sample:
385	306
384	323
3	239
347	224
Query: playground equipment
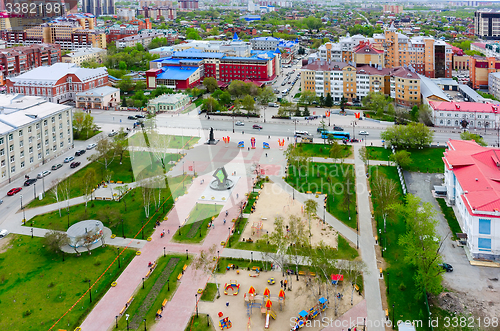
269	313
304	316
233	285
267	293
281	299
225	323
336	278
256	228
271	281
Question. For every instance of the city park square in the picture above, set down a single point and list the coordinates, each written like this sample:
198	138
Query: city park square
151	267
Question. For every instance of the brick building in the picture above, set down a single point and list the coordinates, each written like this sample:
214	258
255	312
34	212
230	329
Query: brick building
57	83
479	69
17	60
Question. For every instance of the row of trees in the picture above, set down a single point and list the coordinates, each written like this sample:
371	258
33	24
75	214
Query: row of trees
83	123
413	135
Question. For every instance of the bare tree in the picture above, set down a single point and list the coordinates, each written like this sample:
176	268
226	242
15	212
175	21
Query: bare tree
65	187
122	190
158	145
298	239
280	239
385	194
90	237
147	192
55	191
55	240
204	262
310	207
88	185
108	174
106	152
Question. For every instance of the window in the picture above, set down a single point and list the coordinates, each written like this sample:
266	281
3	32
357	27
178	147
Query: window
31	159
3	163
12	158
22	153
11	136
39	155
61	144
44	122
46	142
484	244
22	164
11	148
38	125
30	150
484	226
46	132
60	116
21	143
53	119
1	141
20	133
13	169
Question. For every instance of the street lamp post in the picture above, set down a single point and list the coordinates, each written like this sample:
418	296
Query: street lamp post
119	264
164	252
179	230
34	191
393	316
31	233
251	256
116	320
123	230
388	287
143	283
208	320
168	284
145	327
67	213
90	292
126	318
196	299
22	207
217	260
187	255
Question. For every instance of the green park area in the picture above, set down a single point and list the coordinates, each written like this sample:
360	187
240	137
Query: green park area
330	179
322	150
202	322
196	227
37	287
209	292
162	141
150	164
428	159
124	218
399	275
160	285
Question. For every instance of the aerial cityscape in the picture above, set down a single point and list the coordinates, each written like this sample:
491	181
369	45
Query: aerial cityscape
202	165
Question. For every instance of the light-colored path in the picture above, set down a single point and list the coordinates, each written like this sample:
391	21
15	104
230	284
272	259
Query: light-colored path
355	316
367	245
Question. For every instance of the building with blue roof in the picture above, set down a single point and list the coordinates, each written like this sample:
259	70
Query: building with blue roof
272	43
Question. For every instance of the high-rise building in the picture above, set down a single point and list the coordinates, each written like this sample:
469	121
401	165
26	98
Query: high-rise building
187	5
487	24
98	7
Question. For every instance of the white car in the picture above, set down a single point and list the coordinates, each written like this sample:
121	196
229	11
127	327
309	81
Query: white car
363	133
43	174
239	123
3	233
90	146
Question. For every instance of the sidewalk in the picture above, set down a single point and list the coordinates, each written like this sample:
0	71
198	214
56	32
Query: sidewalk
367	245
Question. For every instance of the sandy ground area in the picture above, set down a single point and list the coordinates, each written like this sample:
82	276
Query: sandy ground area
273	202
301	297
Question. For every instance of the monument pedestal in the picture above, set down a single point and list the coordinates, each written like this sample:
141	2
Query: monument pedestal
211	140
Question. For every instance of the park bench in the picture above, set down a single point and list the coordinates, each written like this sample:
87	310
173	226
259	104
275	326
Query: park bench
164	303
264	218
179	276
255	268
387	314
119	182
302	273
184	267
312	274
149	273
123	310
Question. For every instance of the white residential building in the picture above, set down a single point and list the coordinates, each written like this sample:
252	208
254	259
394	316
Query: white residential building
83	55
171	103
32	132
494	84
470	176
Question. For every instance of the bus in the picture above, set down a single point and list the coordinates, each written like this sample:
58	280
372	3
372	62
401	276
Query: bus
336	135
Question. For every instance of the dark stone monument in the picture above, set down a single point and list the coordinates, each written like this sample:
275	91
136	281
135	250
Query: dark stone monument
211	140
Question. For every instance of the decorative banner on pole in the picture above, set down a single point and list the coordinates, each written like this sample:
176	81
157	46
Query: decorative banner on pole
226	140
241	144
327	113
265	145
252	142
357	115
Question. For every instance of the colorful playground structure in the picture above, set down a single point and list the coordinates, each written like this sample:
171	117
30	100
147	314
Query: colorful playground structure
225	323
305	316
263	301
233	285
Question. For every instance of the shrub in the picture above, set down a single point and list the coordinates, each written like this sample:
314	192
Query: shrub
402	287
27	313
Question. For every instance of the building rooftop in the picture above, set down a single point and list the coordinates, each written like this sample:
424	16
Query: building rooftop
320	65
99	91
18	110
176	73
169	98
476	107
51	74
84	51
477	169
429	88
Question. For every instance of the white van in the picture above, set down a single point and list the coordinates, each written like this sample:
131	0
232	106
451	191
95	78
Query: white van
285	92
301	133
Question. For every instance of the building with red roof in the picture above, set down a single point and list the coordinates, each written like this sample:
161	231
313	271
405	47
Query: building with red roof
478	115
472	180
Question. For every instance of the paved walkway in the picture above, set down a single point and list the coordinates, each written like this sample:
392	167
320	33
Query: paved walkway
354	316
367	245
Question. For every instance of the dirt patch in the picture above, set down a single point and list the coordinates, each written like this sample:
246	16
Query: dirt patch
5	244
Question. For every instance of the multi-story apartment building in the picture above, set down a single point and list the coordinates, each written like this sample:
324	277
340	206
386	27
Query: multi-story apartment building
478	115
271	43
118	31
188	5
32	132
17	60
142	38
83	55
494	84
487	24
342	79
99	7
155	3
125	14
396	9
479	69
155	13
58	83
366	53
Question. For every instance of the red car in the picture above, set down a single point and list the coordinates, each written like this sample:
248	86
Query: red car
14	191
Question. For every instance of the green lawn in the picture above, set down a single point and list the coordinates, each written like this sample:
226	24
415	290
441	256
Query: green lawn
120	172
149	164
111	213
251	199
85	136
37	287
147	301
424	160
450	218
242	264
196	227
326	178
320	150
383	117
400	282
200	323
209	292
168	141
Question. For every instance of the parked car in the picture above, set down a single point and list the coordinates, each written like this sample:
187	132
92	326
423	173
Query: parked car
256	126
29	181
239	123
337	128
43	174
80	152
14	191
363	133
90	146
446	267
69	159
272	104
131	117
74	164
139	116
3	233
113	133
56	166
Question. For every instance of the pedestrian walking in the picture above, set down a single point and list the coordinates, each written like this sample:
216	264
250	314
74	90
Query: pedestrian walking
281	283
224	221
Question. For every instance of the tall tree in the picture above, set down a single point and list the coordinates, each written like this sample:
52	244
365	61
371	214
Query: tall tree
89	182
329	100
401	158
210	104
266	96
106	152
210	84
308	97
466	135
248	104
363	154
204	262
385	193
336	150
422	244
413	135
55	240
310	207
280	238
376	102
